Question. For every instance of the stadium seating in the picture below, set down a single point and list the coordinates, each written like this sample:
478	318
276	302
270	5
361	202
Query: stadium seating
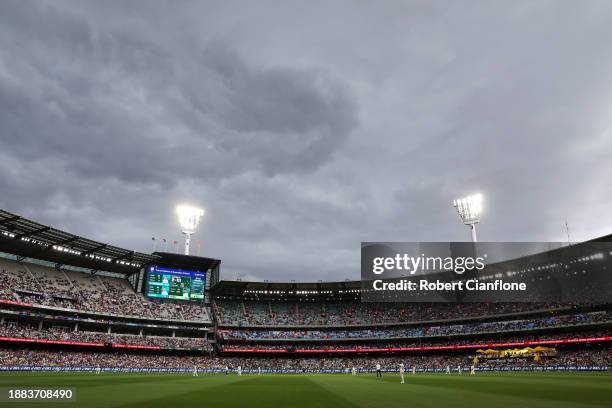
26	357
41	285
65	334
424	331
353	344
253	333
234	313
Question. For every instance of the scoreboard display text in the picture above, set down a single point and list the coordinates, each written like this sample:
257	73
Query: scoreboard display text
180	284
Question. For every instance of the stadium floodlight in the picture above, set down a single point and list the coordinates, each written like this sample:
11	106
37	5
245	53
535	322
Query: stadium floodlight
189	218
470	209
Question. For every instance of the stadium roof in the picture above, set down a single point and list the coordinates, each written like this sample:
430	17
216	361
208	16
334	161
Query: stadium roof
277	290
292	289
186	261
24	237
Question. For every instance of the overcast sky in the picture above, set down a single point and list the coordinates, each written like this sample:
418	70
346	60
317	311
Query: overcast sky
304	128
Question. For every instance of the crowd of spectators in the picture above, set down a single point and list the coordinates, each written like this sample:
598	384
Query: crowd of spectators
420	331
111	295
457	341
24	357
62	334
91	293
114	296
235	313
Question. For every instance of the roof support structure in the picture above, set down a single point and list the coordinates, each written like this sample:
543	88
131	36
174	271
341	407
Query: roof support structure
129	254
30	233
9	220
29	238
65	242
95	249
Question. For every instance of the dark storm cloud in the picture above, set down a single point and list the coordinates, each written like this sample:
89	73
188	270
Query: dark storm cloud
305	128
112	105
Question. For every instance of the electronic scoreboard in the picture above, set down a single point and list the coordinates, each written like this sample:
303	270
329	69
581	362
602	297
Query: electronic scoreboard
178	284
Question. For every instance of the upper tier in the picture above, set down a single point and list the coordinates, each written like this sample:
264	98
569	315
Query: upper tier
40	285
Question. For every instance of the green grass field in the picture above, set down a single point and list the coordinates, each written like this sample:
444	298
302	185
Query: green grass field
315	391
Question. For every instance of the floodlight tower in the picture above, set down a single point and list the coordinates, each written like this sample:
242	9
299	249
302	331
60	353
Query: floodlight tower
189	218
469	209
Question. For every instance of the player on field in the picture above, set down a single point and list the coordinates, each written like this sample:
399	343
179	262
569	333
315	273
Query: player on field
473	369
239	370
447	369
258	370
226	370
195	371
401	370
378	372
459	369
353	371
413	370
98	369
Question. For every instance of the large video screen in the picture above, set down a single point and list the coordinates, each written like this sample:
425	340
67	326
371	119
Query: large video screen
180	284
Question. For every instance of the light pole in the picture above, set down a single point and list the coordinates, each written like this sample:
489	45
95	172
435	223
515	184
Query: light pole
189	218
470	209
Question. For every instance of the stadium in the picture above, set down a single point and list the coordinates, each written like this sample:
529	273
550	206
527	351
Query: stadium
164	327
305	204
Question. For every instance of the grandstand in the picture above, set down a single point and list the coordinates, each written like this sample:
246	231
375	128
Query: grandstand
74	303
